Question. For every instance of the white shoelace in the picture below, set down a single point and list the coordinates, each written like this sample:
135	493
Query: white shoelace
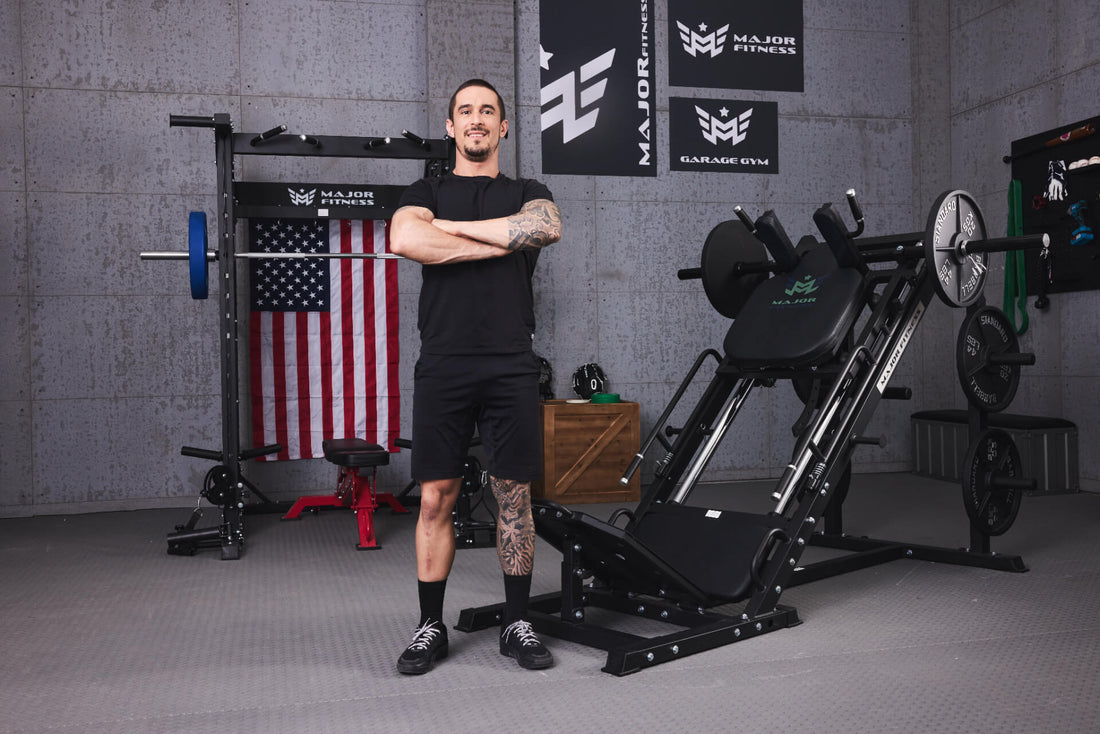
523	631
424	635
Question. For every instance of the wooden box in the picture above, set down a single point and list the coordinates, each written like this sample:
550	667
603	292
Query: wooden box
586	448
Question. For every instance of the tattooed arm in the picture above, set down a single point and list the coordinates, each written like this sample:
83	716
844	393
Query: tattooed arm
536	225
414	234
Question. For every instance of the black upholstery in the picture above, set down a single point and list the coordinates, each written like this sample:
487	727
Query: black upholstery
716	550
353	452
799	318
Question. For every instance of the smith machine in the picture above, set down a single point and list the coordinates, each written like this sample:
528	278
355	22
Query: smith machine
225	486
834	318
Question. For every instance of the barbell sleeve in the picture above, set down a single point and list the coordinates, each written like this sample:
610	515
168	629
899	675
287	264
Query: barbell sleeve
211	255
689	273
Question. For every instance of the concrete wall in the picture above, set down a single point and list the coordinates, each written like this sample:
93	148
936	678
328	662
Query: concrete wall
109	366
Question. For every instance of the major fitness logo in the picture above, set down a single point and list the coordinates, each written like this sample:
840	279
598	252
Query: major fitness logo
577	90
301	197
799	292
717	128
710	44
751	46
723	135
597	88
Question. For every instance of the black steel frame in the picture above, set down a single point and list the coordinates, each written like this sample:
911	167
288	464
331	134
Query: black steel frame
438	156
898	298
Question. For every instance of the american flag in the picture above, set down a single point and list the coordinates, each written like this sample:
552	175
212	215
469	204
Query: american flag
323	337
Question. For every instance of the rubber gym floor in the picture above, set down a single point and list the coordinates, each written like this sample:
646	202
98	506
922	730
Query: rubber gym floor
102	631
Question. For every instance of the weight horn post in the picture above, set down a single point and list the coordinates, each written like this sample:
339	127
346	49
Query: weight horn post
1001	244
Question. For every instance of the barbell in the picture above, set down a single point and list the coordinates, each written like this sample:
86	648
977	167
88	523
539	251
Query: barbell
199	256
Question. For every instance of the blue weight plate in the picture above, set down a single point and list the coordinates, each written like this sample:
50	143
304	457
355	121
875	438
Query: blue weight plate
196	255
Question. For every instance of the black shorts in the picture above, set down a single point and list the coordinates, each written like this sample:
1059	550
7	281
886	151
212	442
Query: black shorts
499	394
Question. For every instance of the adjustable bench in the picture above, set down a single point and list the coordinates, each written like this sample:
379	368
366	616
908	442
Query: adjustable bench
353	489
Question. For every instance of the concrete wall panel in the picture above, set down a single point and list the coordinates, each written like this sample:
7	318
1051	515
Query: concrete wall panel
132	46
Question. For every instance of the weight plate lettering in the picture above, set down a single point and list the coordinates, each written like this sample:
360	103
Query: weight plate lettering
728	244
955	218
992	509
986	334
196	255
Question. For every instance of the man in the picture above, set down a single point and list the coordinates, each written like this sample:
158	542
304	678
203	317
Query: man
477	234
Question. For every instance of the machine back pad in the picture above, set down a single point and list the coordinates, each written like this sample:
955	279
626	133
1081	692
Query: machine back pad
799	318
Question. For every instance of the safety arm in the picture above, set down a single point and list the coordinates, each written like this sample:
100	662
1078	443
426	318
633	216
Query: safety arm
413	235
537	224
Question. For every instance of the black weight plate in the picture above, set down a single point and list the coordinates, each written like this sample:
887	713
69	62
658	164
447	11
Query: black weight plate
992	510
727	244
985	333
804	386
955	217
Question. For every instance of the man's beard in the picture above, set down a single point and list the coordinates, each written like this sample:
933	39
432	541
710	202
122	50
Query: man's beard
477	155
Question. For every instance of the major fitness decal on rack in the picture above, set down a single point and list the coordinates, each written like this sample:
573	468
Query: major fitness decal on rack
598	92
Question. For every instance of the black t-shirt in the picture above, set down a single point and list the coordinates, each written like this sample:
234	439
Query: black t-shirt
484	306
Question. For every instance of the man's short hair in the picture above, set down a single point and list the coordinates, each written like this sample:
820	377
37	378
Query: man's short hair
476	83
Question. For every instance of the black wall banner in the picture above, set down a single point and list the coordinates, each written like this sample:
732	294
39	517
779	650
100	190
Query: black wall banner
723	135
742	45
598	90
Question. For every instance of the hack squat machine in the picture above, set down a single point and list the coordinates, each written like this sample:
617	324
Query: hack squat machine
832	316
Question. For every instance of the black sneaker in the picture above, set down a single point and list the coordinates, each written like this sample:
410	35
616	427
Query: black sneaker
518	641
429	644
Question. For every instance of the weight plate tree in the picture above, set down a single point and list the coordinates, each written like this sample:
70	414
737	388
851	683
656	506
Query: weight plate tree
988	359
992	483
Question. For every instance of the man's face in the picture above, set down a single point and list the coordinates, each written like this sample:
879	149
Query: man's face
475	124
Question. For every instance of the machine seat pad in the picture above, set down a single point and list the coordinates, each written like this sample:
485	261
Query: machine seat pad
713	549
797	319
612	554
354	452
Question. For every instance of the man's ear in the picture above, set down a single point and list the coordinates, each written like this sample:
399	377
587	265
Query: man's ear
503	128
450	127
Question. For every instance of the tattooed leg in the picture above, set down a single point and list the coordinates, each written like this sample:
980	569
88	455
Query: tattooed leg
515	526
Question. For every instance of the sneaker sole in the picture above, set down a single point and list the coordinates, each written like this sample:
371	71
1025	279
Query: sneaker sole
529	664
421	668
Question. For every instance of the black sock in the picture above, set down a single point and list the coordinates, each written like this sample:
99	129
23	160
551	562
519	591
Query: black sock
431	600
517	590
